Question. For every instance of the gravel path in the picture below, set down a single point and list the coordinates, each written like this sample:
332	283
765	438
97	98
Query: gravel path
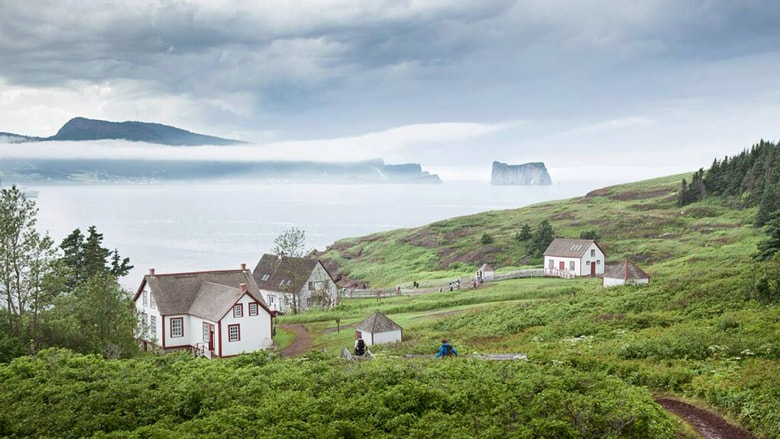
300	345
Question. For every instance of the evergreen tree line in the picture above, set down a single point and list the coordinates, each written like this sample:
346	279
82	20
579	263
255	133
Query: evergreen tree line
753	176
59	296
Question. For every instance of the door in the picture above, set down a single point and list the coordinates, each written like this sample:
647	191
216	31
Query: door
562	266
593	268
211	338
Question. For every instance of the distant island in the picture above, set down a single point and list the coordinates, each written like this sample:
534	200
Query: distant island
526	174
99	170
80	128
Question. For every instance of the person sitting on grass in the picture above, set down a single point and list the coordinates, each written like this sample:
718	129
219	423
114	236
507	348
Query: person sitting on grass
446	350
360	347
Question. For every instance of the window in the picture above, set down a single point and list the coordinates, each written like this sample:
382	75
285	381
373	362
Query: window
152	303
206	332
551	264
265	277
146	298
234	333
153	326
587	263
144	322
271	300
593	253
177	327
311	285
238	310
571	265
253	309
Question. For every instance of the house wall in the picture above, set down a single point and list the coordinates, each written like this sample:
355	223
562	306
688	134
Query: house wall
144	330
189	337
254	331
319	276
581	265
386	337
611	281
277	300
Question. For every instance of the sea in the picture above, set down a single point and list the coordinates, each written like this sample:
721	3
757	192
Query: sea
183	227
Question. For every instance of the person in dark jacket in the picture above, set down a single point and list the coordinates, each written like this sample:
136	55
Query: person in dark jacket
360	346
446	350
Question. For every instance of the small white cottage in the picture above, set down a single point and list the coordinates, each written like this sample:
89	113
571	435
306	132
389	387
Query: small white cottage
574	257
624	273
379	329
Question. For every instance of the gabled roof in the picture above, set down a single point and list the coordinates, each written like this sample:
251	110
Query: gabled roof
378	322
569	248
625	270
201	292
284	274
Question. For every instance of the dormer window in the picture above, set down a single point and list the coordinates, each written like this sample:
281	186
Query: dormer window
265	278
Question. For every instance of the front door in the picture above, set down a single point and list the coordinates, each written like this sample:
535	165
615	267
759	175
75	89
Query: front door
211	338
593	268
562	266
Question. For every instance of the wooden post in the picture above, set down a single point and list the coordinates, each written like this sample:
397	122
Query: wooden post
338	327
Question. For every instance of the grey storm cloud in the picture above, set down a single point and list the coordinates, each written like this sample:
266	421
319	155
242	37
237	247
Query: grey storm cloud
317	70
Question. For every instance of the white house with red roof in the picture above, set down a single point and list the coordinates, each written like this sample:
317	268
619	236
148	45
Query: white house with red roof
574	257
215	313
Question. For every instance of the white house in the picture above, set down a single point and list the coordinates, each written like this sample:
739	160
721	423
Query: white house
574	257
624	273
379	329
214	313
301	282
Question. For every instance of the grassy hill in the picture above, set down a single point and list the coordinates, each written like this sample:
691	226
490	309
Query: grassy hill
694	332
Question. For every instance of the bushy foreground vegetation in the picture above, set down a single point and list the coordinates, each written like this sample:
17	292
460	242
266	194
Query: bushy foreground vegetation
61	394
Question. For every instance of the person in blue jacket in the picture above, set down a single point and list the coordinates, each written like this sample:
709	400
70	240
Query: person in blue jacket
446	350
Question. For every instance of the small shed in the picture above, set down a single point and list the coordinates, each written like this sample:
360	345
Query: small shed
486	272
379	329
624	273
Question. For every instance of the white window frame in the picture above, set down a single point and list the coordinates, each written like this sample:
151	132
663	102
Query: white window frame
234	333
238	310
254	309
180	332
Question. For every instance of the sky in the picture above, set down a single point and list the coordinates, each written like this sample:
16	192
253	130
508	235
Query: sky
607	89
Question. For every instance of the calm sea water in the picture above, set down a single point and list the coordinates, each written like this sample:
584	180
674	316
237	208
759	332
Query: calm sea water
198	226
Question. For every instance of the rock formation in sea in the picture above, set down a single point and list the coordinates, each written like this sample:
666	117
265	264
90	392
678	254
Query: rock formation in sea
534	173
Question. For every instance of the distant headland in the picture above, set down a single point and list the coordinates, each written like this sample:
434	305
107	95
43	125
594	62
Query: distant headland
101	170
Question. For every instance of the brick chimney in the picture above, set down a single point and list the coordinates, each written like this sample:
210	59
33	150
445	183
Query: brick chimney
242	287
243	267
151	272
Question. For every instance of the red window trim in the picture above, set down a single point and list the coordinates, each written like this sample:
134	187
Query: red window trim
238	332
238	306
256	307
170	322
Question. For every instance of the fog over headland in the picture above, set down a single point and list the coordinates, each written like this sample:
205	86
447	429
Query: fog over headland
621	89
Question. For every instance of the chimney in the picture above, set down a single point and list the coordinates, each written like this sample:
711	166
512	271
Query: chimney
242	287
243	267
151	272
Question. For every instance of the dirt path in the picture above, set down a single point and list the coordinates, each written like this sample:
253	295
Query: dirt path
709	425
300	345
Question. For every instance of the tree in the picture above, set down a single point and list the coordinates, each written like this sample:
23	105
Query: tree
542	238
768	247
84	257
96	318
524	234
291	243
289	247
590	234
25	260
486	239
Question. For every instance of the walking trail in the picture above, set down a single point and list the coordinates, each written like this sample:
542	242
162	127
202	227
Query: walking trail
300	345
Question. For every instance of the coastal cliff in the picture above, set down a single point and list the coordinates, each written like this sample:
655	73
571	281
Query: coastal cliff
526	174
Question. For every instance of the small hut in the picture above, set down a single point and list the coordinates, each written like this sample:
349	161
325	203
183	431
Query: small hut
486	272
624	273
379	329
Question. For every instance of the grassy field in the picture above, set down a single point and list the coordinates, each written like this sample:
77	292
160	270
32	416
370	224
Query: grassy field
693	332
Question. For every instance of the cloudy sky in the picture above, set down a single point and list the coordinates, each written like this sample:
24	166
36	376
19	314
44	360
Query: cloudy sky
625	89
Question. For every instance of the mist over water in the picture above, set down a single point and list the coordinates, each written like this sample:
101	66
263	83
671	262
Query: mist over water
202	226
